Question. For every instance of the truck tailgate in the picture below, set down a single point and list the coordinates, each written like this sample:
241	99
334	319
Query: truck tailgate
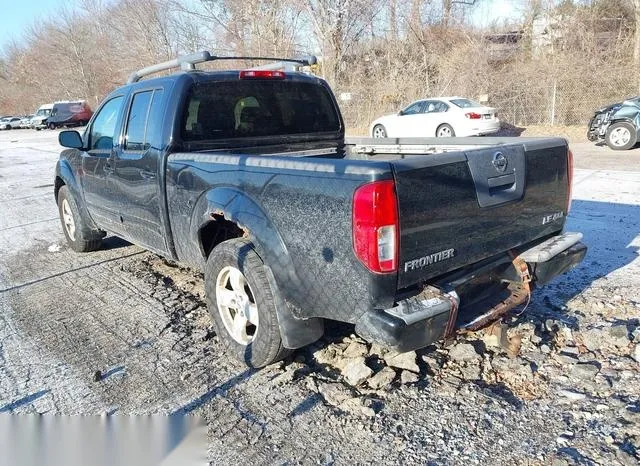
458	208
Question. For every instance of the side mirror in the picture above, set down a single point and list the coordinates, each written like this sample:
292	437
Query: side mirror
71	139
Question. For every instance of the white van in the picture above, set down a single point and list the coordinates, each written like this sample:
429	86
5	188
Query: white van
38	120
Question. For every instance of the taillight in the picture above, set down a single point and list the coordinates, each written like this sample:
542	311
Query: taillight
375	226
262	74
569	178
473	116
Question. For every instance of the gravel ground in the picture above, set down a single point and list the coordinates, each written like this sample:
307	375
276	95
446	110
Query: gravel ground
123	331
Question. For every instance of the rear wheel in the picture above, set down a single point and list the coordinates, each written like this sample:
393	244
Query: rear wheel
79	236
242	304
379	132
621	136
445	131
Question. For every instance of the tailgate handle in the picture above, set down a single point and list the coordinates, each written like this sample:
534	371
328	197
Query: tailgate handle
501	183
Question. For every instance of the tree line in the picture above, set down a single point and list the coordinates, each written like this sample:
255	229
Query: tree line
556	64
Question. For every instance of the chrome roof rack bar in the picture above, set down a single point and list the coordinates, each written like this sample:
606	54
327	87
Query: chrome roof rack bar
188	62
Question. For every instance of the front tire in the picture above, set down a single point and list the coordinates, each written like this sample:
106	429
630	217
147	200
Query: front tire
242	304
621	136
445	131
51	126
379	131
79	236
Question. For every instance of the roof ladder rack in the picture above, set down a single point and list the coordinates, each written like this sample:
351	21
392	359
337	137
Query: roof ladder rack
189	62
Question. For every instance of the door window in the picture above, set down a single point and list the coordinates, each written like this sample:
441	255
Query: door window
104	125
435	106
413	108
134	139
143	120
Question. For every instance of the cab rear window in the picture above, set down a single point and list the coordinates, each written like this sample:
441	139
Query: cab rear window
252	108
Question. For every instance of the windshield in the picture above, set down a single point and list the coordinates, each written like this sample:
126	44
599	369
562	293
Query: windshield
465	103
240	109
43	112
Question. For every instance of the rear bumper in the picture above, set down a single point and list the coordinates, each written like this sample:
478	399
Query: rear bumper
421	320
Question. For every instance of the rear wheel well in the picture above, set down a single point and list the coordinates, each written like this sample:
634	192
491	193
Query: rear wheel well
59	183
219	229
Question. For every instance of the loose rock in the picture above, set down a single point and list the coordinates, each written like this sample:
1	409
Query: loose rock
572	395
355	349
356	371
619	336
382	379
408	377
463	352
584	372
406	361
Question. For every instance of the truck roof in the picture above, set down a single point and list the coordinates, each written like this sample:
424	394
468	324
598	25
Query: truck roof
201	76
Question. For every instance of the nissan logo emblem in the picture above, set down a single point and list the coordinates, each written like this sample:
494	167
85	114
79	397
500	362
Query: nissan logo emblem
500	162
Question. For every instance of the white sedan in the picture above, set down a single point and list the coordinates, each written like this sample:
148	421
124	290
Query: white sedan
440	117
10	123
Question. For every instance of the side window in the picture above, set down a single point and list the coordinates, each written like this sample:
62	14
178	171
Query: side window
134	139
154	123
440	107
413	109
104	125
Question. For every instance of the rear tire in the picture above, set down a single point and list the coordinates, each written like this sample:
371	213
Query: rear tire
379	131
445	131
621	136
242	304
76	230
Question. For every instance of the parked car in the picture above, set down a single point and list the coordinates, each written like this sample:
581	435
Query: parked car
247	176
440	117
39	119
25	121
10	123
69	113
617	124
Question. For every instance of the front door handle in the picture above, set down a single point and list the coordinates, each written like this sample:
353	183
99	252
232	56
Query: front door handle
108	169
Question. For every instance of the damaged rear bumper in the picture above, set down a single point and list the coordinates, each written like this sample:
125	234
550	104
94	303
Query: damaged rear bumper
470	299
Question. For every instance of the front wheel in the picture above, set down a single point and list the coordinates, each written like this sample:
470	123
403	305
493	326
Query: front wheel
78	234
242	304
445	131
621	136
379	131
51	126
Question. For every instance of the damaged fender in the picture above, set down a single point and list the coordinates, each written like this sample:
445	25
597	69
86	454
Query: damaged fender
239	208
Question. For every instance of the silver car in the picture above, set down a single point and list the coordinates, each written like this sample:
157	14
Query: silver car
10	123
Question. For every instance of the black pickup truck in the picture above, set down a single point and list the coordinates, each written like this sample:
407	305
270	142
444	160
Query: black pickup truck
247	175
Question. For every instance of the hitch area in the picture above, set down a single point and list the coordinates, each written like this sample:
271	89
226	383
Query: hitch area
486	298
464	303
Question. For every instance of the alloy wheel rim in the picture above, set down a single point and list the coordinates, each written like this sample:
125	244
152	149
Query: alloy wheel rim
444	132
378	133
236	305
620	136
67	218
